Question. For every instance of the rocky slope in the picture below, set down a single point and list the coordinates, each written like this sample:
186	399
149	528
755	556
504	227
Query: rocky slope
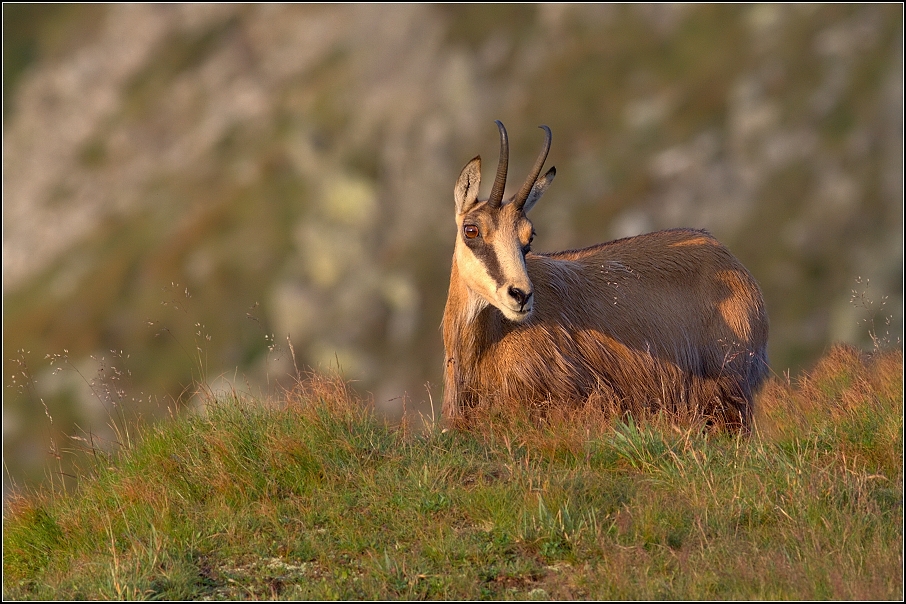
188	185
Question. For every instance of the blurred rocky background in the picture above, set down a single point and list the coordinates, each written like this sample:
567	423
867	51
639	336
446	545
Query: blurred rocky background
184	186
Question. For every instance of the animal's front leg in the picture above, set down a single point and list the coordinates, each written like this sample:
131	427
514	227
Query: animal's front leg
451	407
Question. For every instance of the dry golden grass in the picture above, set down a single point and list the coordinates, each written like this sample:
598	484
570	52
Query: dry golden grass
845	381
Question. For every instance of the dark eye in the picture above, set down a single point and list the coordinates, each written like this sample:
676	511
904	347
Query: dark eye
528	247
470	231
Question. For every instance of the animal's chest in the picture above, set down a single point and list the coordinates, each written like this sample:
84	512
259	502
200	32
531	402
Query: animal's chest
546	358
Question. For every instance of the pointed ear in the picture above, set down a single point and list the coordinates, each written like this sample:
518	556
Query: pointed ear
466	191
538	189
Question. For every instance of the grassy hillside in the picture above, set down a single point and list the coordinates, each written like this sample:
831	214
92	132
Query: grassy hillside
291	167
312	496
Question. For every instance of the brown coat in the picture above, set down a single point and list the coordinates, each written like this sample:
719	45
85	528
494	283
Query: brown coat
668	320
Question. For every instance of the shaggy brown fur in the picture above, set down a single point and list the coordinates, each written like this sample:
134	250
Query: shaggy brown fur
665	321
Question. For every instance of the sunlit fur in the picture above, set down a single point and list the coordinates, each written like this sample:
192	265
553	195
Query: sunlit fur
666	321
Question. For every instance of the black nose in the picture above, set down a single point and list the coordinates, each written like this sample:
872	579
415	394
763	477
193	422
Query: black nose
519	296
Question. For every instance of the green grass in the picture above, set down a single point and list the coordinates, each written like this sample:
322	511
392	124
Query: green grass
315	497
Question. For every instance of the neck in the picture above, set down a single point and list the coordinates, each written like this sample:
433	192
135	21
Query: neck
467	316
470	326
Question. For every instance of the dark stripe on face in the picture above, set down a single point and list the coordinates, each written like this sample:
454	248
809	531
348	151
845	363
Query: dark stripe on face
485	253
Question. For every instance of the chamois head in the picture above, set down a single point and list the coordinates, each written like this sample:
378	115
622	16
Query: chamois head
494	236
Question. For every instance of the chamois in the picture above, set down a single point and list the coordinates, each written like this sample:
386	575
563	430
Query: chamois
669	320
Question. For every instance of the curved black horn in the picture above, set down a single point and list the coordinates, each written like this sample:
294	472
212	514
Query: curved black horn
500	180
536	170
